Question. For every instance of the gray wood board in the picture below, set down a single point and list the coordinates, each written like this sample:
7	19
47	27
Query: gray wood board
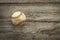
43	20
30	30
47	12
31	27
25	36
27	1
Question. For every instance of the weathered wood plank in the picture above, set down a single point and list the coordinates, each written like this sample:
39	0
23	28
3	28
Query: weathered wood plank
30	30
28	26
27	1
5	28
36	27
25	36
6	36
20	36
33	12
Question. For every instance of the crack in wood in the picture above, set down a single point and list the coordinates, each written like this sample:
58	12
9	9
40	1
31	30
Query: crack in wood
5	3
30	20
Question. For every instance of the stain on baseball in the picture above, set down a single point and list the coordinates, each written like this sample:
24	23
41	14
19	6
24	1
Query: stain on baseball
18	18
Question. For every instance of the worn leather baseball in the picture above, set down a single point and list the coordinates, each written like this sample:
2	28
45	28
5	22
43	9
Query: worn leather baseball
18	18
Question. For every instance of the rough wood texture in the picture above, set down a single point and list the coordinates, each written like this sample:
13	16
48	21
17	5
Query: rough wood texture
28	26
30	30
27	1
33	12
43	20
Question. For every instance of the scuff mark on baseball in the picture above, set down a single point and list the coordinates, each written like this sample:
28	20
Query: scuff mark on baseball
18	18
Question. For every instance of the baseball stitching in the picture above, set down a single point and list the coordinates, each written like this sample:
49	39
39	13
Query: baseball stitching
17	16
20	21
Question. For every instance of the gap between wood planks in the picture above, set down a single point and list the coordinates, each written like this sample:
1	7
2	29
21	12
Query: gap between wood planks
5	3
30	20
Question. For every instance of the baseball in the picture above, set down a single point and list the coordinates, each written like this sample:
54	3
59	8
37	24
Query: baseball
18	18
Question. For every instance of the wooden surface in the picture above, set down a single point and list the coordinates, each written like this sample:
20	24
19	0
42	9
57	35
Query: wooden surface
43	20
27	1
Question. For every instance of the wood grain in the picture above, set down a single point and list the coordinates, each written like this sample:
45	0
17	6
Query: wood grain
28	26
43	20
6	36
30	30
33	12
27	1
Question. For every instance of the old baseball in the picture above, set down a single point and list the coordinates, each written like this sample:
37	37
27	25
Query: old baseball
18	18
